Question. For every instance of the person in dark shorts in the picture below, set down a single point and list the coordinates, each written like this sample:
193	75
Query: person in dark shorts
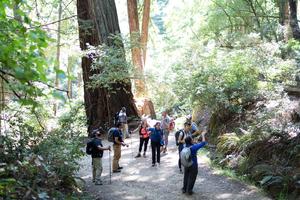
97	153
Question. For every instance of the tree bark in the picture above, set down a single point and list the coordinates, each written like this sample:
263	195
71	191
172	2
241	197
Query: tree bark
58	51
2	103
145	27
283	12
98	20
69	72
135	39
293	19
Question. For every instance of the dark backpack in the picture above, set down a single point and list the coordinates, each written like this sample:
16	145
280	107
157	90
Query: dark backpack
89	147
177	136
116	118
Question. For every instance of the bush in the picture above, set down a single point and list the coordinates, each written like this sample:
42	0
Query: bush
37	163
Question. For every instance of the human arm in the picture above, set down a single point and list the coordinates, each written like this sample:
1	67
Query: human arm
198	146
181	138
104	148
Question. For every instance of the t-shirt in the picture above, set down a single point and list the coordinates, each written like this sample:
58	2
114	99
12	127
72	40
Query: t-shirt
183	134
165	122
122	117
194	127
194	149
144	133
118	134
156	135
97	153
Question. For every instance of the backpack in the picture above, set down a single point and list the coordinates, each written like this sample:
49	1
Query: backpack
110	135
186	157
177	136
116	118
89	147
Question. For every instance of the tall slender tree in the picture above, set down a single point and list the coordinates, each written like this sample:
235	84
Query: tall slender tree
145	27
58	51
98	20
135	38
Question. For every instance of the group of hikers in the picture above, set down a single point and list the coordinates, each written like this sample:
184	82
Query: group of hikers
187	139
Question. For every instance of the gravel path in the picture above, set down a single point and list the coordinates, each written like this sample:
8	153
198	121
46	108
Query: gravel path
139	180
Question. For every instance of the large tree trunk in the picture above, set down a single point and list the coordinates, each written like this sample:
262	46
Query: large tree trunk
284	19
293	19
145	27
135	38
283	12
97	20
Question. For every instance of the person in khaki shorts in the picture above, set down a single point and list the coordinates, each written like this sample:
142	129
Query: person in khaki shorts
97	153
118	142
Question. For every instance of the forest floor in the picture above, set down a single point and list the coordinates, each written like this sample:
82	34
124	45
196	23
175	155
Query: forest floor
139	180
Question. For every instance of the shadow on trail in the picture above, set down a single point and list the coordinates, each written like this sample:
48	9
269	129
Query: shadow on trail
139	180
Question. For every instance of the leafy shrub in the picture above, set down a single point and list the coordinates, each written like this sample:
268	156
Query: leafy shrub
228	143
41	164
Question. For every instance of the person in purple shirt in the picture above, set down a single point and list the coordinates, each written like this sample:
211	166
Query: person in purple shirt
190	173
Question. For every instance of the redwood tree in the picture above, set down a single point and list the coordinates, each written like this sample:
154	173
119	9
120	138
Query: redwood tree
145	27
97	21
293	19
135	38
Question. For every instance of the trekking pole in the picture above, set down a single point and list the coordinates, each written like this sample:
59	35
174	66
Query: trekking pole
109	167
131	144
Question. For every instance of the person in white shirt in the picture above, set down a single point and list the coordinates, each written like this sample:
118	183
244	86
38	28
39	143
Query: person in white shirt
123	120
165	126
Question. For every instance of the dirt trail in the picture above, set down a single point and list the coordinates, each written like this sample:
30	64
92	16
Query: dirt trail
139	180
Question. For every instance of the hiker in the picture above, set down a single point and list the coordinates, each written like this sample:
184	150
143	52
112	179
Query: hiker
185	132
172	124
156	138
190	173
123	119
97	153
194	128
144	138
165	126
118	142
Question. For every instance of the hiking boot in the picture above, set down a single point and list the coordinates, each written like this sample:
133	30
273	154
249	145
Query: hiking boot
93	180
116	171
138	155
180	170
190	192
144	155
183	190
120	167
153	164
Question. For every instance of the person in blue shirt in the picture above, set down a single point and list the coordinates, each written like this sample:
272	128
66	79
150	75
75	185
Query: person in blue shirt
118	142
190	173
156	138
